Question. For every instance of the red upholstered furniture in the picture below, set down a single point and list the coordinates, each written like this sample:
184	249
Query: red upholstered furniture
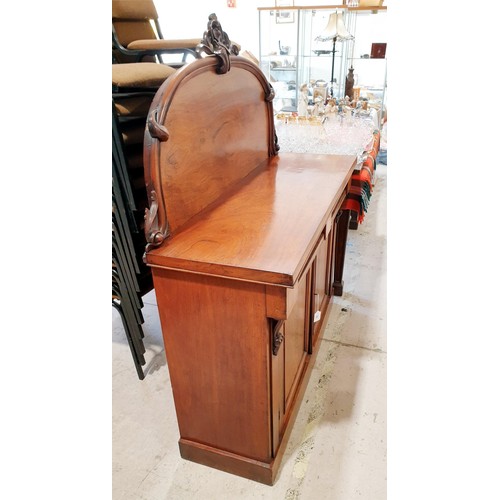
361	189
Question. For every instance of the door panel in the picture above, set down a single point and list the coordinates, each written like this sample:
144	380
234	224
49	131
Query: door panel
296	330
322	284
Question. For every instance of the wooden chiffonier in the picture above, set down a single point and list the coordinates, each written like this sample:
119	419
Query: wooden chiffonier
242	246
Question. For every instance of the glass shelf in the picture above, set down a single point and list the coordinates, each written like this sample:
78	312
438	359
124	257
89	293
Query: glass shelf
301	65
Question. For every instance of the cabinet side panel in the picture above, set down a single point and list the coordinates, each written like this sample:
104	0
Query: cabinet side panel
216	338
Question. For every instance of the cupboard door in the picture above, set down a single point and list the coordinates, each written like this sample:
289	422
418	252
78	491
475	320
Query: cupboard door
296	337
322	271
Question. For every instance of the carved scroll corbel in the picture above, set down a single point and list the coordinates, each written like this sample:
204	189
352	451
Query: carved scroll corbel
337	216
269	93
156	130
275	145
155	219
155	234
278	337
216	42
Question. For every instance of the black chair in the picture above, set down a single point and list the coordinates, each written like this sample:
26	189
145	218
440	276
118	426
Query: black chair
133	87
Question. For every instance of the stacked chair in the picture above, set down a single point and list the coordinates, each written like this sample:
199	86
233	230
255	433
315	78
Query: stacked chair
134	86
137	35
137	74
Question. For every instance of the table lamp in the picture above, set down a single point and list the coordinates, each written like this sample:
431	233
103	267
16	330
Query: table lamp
337	32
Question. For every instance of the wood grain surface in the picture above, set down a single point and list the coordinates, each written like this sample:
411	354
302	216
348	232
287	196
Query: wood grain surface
264	229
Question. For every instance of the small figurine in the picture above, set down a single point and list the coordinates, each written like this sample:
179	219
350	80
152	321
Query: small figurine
319	106
303	100
332	103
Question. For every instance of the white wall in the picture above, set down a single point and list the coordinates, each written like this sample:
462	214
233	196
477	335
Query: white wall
188	19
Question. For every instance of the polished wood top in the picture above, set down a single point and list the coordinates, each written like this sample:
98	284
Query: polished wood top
265	228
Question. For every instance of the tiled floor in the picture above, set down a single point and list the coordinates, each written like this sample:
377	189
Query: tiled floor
337	449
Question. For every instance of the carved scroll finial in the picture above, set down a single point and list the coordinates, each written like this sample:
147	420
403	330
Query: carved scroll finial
216	42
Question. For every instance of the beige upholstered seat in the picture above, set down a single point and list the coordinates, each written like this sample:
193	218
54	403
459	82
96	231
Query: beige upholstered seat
140	75
137	35
133	88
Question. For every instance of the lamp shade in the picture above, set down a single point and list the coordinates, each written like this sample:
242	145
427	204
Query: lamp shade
335	29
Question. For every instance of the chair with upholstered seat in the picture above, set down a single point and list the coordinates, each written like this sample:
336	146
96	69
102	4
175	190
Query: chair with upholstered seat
137	36
133	88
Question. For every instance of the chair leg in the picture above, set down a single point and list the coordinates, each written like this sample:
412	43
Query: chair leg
137	357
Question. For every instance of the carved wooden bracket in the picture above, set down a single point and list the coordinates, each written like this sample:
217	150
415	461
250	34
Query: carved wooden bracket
274	152
153	216
155	129
270	93
269	97
216	42
337	216
278	337
155	235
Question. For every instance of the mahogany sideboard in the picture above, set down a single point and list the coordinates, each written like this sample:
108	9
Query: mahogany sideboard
243	245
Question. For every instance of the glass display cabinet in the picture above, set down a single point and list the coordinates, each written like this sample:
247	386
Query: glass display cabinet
291	55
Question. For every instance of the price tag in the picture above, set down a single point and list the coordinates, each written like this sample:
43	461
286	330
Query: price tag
317	316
